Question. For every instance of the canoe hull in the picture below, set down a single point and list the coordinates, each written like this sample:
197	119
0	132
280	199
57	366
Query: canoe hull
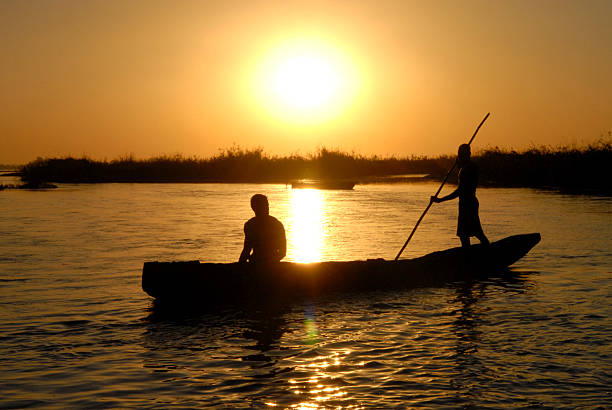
212	282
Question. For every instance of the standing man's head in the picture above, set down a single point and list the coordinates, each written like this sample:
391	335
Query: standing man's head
259	204
463	155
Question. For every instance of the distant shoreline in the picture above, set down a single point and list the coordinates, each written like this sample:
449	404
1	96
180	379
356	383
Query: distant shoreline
567	169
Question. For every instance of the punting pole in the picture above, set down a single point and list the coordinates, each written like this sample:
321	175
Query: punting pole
439	189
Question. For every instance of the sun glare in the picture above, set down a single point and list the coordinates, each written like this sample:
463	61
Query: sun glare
305	81
305	228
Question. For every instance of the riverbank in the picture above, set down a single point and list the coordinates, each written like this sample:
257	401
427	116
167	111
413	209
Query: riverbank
232	165
579	170
566	169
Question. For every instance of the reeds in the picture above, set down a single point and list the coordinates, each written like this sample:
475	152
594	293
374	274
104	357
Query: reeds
567	168
230	165
572	169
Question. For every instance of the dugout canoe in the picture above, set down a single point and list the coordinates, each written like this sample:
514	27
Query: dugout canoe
215	282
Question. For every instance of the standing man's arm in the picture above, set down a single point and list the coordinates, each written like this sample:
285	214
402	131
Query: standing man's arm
448	197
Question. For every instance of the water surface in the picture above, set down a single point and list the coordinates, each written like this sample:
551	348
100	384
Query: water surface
77	330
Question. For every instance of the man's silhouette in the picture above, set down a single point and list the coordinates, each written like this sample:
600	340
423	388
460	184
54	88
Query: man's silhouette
264	235
468	223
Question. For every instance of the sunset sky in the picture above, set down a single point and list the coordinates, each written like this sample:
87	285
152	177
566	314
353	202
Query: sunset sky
107	78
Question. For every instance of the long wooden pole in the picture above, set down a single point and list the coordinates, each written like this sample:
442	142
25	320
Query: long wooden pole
439	189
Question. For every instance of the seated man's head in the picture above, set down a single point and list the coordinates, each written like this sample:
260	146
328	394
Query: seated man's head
259	204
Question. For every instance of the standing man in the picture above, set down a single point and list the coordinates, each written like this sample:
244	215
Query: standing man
468	223
264	235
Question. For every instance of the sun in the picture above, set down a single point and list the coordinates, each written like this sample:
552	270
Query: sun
305	81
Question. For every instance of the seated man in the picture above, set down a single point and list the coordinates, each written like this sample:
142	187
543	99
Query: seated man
264	235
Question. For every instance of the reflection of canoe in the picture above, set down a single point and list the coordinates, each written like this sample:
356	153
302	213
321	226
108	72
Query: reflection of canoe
323	184
213	282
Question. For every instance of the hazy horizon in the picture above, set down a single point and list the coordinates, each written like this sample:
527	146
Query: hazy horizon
107	79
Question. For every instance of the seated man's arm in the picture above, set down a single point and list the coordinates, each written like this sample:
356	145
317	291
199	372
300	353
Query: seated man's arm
282	246
245	255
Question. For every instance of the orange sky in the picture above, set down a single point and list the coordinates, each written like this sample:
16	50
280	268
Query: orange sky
107	78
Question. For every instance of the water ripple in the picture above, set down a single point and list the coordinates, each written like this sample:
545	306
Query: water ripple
78	332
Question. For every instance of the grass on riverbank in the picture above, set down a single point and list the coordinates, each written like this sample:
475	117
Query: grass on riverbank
566	168
230	165
585	170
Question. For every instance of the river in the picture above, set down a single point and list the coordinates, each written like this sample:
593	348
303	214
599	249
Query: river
76	330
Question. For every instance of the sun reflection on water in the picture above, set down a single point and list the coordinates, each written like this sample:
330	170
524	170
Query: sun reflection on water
306	230
323	387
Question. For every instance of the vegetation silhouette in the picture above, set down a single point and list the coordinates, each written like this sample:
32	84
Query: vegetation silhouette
568	168
571	169
230	165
